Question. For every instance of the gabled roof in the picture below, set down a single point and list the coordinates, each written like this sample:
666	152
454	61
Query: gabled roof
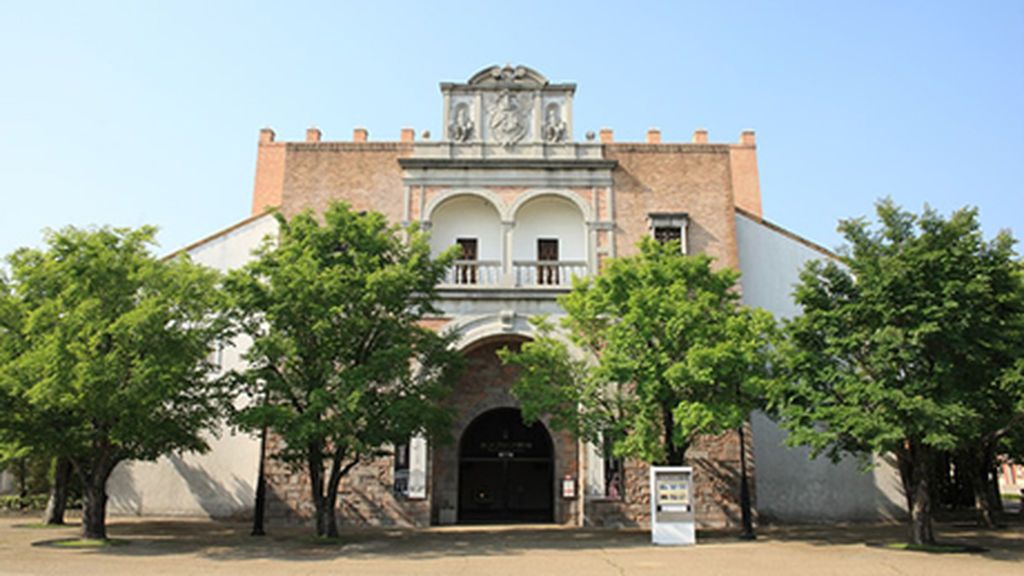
796	237
219	234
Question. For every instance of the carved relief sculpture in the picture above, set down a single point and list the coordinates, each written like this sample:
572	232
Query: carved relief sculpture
508	122
554	126
461	128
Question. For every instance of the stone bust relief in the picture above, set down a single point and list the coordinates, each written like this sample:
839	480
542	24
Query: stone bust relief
554	126
461	128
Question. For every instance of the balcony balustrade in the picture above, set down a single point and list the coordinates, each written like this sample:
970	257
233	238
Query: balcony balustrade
474	273
525	274
548	272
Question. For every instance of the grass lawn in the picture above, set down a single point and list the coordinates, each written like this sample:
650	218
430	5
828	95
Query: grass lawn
84	543
936	548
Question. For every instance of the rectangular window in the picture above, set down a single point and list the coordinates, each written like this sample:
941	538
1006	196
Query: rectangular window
606	473
547	251
614	474
666	234
401	486
216	357
466	267
669	227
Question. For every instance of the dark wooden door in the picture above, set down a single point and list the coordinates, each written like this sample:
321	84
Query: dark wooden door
547	251
506	470
465	273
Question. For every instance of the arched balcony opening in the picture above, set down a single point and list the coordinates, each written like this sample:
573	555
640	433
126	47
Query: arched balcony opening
549	243
474	225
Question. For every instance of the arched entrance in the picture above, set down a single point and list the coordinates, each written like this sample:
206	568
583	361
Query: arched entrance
505	470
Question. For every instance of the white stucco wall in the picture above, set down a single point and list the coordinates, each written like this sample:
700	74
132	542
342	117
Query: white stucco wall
7	483
220	483
549	217
467	217
790	485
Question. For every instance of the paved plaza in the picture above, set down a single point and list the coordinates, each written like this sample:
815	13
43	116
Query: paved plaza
188	546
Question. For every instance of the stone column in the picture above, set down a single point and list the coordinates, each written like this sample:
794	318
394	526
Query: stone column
508	278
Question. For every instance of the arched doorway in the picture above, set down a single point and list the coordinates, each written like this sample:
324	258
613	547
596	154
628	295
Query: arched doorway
505	470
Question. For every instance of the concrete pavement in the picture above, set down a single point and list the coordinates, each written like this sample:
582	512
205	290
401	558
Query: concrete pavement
189	546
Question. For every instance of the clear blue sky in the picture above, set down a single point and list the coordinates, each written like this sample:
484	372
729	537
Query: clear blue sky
148	112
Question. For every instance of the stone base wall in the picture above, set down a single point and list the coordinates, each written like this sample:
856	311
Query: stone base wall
365	496
485	385
716	470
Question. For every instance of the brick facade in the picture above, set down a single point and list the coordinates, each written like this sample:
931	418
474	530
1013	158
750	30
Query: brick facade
704	180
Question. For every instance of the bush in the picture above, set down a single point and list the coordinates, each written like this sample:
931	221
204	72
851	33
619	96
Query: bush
33	502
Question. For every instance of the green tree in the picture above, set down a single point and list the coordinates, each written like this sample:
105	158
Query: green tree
900	347
666	353
335	312
103	355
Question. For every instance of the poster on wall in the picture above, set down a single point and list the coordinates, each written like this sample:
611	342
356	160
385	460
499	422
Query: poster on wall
417	468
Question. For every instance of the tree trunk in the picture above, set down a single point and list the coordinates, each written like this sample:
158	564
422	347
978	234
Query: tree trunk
54	515
325	490
326	527
980	467
993	493
905	463
964	496
323	498
22	483
979	486
94	512
93	475
921	529
673	453
330	520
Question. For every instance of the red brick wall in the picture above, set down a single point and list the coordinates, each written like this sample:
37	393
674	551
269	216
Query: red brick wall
690	178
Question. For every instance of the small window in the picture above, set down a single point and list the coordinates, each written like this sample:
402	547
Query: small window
669	227
216	357
614	474
401	486
666	234
466	267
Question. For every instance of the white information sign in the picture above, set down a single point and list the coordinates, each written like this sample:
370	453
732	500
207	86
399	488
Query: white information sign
672	511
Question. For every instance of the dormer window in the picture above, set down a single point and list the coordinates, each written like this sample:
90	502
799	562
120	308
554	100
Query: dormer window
669	227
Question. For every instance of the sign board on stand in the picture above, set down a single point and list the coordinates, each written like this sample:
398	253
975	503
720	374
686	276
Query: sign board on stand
672	511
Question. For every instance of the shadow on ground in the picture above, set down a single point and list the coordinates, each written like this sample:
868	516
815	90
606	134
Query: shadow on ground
1003	543
231	541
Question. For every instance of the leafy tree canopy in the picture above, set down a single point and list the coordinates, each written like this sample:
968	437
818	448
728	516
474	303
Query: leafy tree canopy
335	311
902	347
667	354
103	354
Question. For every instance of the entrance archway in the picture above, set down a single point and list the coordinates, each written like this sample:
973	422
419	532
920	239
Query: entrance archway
506	470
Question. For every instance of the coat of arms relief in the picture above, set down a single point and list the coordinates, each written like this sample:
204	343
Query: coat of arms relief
509	118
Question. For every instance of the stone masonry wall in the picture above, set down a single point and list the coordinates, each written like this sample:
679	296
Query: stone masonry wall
716	470
485	385
365	495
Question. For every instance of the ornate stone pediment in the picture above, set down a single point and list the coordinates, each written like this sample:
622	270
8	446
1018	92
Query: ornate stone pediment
507	75
508	107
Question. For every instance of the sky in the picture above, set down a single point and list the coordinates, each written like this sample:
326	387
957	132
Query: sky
147	112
